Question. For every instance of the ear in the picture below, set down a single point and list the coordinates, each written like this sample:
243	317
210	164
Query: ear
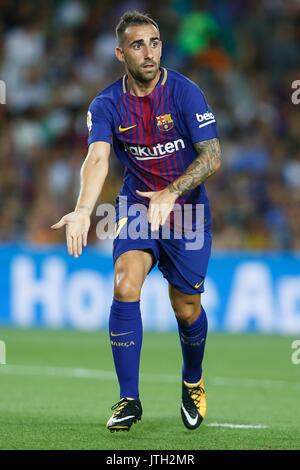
119	54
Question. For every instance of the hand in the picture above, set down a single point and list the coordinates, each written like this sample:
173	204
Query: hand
77	226
160	207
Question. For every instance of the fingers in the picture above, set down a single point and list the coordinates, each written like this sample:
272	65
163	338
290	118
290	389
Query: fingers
77	227
158	210
155	217
79	245
75	250
149	194
59	224
153	212
69	243
84	238
74	244
164	217
158	215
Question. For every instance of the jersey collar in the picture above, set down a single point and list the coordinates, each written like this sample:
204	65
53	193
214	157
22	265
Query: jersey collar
161	82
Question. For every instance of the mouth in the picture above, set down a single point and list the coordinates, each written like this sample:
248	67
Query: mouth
148	66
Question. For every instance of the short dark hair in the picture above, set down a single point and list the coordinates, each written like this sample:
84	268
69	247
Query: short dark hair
133	17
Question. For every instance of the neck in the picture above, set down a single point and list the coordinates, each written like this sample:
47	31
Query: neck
137	88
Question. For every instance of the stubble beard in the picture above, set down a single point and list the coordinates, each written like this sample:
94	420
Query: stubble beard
143	76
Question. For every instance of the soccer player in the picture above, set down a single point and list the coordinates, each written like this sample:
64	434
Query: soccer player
164	133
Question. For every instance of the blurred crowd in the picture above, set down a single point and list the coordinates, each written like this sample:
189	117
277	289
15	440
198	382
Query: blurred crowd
56	55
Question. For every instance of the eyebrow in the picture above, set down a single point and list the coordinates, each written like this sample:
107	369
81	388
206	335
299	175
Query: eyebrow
141	41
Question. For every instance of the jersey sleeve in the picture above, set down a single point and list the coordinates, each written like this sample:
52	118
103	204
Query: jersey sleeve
198	115
99	122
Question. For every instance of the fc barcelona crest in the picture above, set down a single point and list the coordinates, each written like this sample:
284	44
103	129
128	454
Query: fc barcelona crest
165	122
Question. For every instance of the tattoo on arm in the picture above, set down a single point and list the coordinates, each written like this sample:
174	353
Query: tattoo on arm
205	164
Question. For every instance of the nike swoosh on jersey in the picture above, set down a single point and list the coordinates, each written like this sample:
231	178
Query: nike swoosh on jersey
124	129
121	334
191	421
198	285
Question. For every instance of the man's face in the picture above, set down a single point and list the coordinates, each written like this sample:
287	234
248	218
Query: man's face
140	50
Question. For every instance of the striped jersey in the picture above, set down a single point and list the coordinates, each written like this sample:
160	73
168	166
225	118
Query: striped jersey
153	135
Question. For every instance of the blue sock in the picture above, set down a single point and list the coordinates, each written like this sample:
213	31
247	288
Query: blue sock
192	339
126	335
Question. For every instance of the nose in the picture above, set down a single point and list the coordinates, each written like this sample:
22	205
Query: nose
148	52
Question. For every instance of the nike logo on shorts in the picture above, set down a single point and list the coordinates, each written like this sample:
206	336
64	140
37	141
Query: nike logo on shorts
196	286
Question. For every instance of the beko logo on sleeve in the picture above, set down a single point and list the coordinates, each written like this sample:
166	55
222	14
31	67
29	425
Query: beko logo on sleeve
205	119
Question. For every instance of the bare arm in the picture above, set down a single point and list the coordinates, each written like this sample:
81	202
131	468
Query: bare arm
93	174
207	162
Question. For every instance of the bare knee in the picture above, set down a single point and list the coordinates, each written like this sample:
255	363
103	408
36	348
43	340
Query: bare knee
187	308
126	288
131	269
187	313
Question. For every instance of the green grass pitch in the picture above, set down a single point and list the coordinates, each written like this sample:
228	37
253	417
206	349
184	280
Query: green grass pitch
58	387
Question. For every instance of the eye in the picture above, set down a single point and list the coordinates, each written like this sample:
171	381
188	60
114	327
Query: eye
136	46
155	43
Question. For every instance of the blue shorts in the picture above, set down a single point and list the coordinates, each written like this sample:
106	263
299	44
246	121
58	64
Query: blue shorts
183	267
